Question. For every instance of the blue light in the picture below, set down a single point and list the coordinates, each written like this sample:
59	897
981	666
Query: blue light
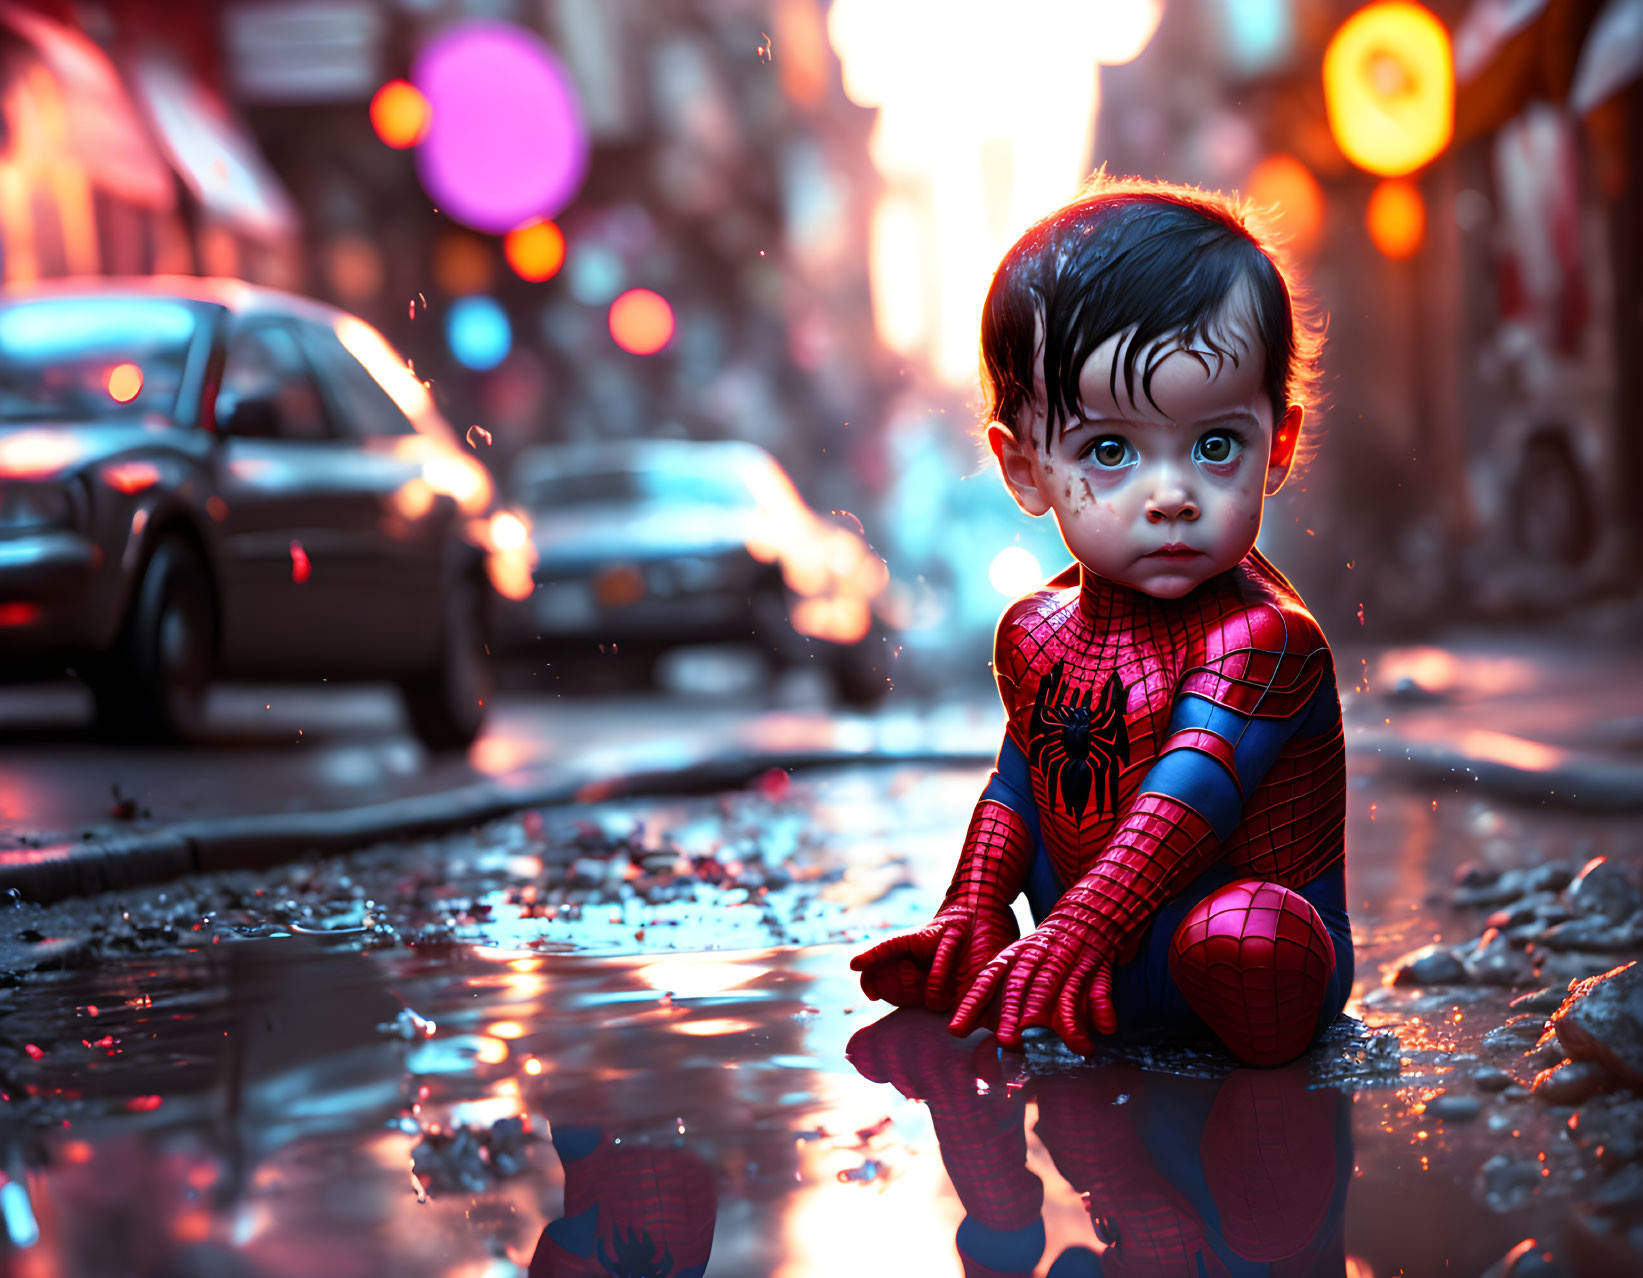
1259	33
478	332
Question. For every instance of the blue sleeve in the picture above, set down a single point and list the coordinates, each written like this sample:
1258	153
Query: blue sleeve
1012	785
1203	783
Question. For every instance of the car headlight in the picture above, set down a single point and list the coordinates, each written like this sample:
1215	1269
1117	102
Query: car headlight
26	505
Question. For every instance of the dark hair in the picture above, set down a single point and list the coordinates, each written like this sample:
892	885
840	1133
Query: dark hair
1156	261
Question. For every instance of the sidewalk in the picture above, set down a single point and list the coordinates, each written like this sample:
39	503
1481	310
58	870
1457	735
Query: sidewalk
1520	722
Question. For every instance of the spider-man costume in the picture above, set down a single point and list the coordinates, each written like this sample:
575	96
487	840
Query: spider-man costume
1171	797
1242	1177
632	1210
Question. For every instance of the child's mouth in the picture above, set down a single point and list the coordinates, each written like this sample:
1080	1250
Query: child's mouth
1175	550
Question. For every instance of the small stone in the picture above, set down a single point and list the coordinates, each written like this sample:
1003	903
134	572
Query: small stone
1554	876
1603	888
1508	887
1544	1001
1596	932
1430	965
1569	1083
1454	1109
1495	960
1602	1021
1545	1056
1472	874
1622	1192
1506	1182
1490	1079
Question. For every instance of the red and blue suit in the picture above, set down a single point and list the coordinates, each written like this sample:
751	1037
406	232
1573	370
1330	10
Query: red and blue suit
1171	797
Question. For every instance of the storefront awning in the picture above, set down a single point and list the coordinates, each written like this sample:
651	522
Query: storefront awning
100	126
1509	53
1613	56
213	154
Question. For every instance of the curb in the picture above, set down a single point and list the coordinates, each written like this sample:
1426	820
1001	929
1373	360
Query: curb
47	874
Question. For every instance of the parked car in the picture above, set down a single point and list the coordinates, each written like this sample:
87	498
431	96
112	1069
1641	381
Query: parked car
649	544
202	478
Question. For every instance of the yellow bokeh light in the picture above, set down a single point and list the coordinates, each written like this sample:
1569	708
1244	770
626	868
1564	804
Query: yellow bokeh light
124	383
506	1029
1396	218
400	114
535	251
1389	88
491	1051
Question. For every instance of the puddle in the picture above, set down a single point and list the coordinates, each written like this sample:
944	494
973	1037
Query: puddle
255	1099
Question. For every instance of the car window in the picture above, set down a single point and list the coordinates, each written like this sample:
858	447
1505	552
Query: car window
264	363
659	485
94	357
364	407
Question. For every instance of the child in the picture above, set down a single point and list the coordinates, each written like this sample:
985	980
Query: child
1170	793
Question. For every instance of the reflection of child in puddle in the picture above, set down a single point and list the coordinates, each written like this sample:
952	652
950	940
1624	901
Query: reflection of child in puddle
1171	791
632	1210
1242	1176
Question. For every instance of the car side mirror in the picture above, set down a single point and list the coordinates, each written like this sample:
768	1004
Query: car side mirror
252	418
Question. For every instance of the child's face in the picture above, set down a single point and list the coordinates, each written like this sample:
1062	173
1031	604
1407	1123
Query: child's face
1163	498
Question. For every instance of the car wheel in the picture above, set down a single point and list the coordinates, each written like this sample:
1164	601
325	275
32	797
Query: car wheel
154	683
446	706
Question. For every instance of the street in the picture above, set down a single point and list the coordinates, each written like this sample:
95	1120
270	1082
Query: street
257	1071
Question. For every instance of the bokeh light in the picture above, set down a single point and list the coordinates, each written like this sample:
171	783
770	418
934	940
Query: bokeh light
125	383
1014	571
507	142
400	114
1389	88
478	332
463	263
965	172
536	250
641	321
1397	218
1286	186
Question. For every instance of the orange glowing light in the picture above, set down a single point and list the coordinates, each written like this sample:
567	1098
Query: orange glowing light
400	114
1285	185
491	1051
1397	218
131	476
37	454
536	251
1389	88
532	1066
506	1029
124	382
641	321
714	1027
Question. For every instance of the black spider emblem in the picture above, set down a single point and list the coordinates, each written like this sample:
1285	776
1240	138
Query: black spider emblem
1078	748
635	1255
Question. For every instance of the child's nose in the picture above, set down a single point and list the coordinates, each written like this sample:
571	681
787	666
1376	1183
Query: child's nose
1170	502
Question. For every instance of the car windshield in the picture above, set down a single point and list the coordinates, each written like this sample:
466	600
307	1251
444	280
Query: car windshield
91	358
649	486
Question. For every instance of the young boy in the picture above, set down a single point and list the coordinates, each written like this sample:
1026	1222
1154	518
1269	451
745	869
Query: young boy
1170	793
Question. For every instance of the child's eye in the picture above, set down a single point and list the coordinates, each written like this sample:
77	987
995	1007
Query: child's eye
1110	451
1219	446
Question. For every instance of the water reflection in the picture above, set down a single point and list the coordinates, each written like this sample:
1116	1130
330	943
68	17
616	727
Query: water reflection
1244	1175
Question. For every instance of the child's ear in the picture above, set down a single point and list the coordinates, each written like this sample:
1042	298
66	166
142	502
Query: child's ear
1018	463
1284	439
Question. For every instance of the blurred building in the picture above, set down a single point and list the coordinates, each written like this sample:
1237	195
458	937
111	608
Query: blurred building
726	173
120	154
1480	439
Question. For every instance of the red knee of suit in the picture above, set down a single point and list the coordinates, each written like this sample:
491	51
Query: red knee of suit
1253	959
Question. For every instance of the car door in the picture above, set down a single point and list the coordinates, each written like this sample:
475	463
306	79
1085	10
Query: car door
405	539
291	515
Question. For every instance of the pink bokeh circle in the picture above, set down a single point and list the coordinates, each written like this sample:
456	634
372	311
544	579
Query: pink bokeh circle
507	141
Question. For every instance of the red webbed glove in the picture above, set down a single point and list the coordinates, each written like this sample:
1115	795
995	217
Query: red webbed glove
930	967
1060	975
